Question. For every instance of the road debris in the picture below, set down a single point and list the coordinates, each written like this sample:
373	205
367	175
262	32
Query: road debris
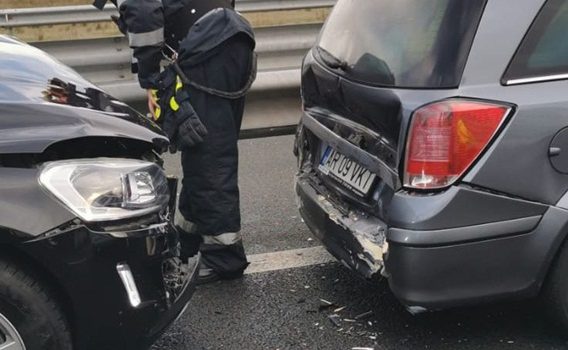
339	309
335	319
359	348
364	315
325	304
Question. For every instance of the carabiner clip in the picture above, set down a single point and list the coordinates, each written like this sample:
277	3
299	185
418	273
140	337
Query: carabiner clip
174	54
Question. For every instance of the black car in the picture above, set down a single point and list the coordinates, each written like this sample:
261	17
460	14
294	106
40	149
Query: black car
89	258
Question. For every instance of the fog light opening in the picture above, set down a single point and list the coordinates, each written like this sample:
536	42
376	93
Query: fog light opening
127	279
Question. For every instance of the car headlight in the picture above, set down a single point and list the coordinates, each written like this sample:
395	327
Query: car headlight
106	189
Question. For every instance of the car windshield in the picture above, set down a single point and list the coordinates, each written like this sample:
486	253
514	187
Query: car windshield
402	43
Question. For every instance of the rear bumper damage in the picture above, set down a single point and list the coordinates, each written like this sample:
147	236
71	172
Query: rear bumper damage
436	269
427	270
355	239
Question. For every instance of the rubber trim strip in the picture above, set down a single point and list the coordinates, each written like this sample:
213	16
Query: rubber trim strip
464	234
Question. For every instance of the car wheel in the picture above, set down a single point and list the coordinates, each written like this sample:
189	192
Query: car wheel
30	318
555	293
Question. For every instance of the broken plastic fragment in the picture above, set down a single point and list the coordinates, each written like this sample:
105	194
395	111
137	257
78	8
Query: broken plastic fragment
335	319
339	309
324	304
364	315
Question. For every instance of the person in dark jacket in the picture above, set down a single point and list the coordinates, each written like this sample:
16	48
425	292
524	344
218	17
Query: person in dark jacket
214	48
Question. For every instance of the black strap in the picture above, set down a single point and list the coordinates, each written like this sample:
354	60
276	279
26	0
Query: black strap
231	95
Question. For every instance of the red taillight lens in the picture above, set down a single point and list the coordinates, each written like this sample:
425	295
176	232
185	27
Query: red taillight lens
446	137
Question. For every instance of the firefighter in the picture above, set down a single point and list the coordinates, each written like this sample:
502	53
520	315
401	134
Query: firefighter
201	104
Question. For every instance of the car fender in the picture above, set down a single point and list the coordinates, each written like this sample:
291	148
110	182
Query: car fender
26	210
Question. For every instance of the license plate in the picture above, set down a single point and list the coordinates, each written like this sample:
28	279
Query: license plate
346	171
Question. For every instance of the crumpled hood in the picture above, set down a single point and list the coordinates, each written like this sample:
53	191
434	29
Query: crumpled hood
42	102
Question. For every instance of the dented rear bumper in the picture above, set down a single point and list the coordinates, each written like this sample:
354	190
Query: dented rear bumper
354	238
429	269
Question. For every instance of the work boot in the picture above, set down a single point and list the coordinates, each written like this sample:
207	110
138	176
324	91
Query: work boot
207	275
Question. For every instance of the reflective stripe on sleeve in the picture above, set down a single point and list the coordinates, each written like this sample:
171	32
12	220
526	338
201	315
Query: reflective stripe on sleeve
228	238
153	38
120	2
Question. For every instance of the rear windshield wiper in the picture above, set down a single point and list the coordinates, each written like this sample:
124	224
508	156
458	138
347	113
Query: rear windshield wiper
330	60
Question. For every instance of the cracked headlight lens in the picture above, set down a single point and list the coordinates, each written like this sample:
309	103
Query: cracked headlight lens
106	189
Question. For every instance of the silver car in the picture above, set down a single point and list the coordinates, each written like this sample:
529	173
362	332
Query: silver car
433	148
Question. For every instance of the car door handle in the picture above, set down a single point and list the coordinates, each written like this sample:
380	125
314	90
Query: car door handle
554	151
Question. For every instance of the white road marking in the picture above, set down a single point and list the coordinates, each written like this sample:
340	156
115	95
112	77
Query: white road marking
288	259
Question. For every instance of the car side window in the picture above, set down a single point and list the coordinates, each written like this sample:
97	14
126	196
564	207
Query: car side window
543	53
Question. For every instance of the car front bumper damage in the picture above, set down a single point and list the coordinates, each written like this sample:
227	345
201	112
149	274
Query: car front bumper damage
124	287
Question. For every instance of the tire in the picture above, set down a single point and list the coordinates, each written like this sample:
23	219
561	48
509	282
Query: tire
555	292
29	314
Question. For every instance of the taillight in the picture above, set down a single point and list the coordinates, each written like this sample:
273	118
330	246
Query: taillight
446	137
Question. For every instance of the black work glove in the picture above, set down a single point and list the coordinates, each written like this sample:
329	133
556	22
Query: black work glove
191	130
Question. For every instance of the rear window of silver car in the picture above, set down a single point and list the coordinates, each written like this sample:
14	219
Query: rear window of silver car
402	43
543	54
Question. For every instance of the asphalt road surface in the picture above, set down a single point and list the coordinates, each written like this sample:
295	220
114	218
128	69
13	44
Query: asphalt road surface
278	304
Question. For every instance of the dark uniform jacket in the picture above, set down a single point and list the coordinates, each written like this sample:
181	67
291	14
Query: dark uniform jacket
149	24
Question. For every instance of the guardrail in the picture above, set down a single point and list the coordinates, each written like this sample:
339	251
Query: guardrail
104	57
88	13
